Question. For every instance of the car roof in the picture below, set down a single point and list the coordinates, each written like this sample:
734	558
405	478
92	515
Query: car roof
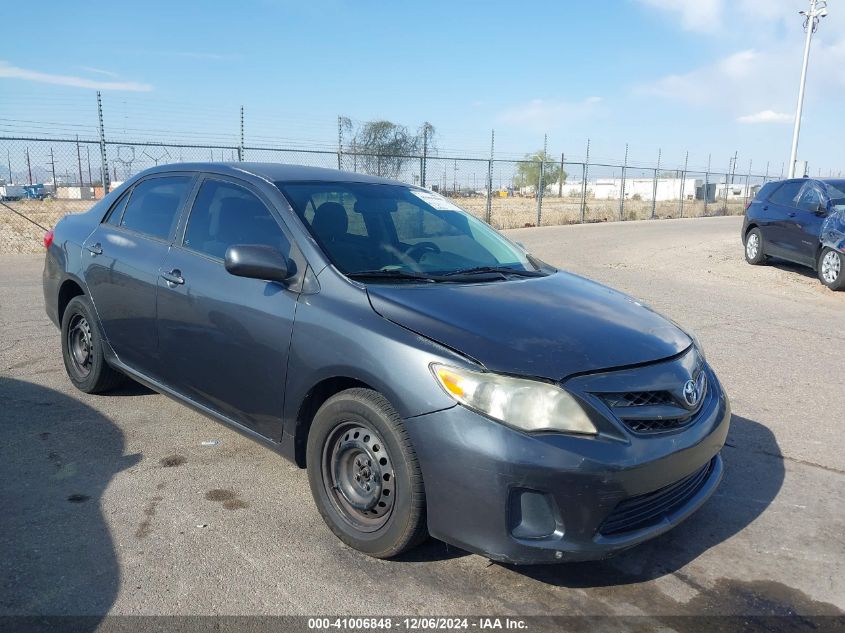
276	172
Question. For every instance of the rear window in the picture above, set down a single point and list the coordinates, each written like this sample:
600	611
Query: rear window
767	190
787	193
154	205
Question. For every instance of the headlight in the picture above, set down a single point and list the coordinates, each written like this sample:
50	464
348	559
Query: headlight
528	405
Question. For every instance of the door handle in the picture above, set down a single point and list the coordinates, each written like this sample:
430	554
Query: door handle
173	277
766	208
95	249
792	214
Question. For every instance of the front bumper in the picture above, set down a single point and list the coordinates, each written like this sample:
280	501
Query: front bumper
520	498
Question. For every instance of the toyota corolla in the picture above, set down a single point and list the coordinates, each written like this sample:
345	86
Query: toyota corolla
432	376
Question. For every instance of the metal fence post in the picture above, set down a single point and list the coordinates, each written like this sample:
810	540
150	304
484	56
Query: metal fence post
241	146
585	172
683	185
103	160
654	187
488	212
424	158
562	176
541	180
748	181
707	183
622	186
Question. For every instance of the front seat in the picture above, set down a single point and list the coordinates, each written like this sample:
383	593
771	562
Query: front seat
330	226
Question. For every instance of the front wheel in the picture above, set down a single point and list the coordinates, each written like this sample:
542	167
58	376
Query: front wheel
364	474
754	247
832	269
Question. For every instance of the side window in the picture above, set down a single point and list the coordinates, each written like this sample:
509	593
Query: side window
154	206
225	214
116	212
810	198
787	194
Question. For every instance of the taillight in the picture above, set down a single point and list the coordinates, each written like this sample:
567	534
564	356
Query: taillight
48	238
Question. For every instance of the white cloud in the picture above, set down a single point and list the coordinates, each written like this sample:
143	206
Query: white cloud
696	15
546	114
766	116
8	71
99	71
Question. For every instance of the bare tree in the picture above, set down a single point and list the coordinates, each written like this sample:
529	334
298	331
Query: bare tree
383	148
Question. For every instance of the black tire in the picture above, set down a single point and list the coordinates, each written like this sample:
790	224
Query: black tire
82	349
359	457
831	268
754	256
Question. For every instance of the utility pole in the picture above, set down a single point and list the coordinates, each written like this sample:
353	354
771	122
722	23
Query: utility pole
103	160
707	182
683	184
818	9
28	166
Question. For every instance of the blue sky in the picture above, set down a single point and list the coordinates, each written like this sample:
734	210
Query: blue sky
707	76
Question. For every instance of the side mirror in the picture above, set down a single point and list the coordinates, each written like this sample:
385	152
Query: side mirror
258	262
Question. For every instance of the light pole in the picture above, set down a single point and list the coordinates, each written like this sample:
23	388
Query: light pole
818	9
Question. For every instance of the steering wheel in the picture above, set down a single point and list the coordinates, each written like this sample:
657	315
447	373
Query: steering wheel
418	250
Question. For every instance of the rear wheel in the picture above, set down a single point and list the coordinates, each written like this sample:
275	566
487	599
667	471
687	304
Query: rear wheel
832	269
364	474
82	350
754	247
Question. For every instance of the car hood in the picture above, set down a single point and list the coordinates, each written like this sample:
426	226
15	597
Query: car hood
549	327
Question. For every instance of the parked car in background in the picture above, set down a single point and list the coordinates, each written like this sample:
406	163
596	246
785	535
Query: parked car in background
802	221
432	376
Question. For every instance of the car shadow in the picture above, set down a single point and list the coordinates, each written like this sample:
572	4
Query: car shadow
790	267
57	457
754	474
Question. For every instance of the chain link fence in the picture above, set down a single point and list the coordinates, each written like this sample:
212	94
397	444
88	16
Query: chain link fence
45	179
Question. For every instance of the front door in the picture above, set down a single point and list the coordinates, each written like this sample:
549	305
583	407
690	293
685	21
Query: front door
122	260
807	229
224	340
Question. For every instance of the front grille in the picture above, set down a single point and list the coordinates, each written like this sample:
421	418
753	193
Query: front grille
657	426
651	508
638	399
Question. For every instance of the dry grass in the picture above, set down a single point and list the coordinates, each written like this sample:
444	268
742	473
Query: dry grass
19	236
510	213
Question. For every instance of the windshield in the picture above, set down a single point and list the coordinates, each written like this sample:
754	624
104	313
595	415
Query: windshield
399	231
836	192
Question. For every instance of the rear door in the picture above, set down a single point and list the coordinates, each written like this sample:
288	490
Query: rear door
224	340
781	211
122	261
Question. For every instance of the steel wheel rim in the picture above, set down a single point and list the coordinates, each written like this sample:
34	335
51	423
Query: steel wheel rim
80	345
831	266
752	246
358	476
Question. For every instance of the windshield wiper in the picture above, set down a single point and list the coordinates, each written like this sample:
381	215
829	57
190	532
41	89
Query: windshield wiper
390	274
504	270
